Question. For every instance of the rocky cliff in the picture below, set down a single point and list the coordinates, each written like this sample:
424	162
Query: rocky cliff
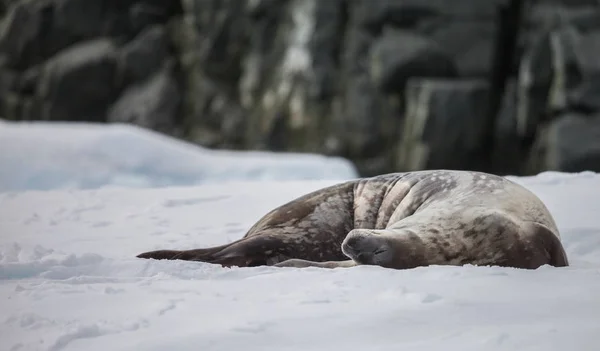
504	86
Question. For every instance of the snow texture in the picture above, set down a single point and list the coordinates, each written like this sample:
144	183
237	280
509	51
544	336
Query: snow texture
44	156
69	279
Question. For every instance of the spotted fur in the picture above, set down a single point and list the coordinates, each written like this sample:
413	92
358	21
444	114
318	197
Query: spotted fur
399	220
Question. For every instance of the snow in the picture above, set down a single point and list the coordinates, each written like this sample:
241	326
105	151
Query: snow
45	156
69	279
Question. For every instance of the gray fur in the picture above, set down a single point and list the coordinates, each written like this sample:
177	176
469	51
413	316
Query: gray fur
399	220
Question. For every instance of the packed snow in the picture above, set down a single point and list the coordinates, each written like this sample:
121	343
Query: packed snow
45	156
69	279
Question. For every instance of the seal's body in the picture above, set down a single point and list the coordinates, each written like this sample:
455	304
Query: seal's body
399	220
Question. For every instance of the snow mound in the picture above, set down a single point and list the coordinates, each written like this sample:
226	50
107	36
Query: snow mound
69	280
44	156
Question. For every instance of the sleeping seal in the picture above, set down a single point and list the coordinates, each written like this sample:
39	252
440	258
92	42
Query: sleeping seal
400	221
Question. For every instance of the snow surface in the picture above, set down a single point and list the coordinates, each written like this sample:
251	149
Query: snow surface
45	156
69	279
79	201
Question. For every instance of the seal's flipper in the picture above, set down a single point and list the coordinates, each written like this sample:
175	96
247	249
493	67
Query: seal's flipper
160	254
246	252
299	263
554	250
186	255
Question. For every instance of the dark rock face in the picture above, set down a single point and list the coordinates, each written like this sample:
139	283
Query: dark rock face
144	54
570	143
443	115
79	83
503	86
74	58
398	55
559	69
151	103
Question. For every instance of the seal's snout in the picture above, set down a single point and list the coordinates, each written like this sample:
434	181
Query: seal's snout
352	243
361	245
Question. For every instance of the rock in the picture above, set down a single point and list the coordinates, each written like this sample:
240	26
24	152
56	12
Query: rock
353	135
210	39
85	19
570	143
398	55
443	124
143	55
53	25
535	77
583	94
361	137
153	103
586	96
544	15
575	61
281	109
375	14
147	13
468	43
31	109
328	76
510	149
19	43
325	47
559	66
8	80
79	82
10	106
222	32
80	19
28	80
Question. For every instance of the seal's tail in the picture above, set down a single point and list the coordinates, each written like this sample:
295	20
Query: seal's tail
558	256
246	252
555	251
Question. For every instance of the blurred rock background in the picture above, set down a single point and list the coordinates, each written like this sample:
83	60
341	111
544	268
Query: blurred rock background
510	87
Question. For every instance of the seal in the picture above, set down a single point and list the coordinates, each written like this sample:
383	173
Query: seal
399	221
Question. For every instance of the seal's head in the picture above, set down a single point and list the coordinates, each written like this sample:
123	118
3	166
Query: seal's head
367	246
384	248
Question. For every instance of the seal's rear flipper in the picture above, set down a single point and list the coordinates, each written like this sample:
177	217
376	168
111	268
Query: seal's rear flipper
246	252
186	255
555	251
160	254
298	263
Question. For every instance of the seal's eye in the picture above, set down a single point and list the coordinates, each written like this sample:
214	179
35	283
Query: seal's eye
380	251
